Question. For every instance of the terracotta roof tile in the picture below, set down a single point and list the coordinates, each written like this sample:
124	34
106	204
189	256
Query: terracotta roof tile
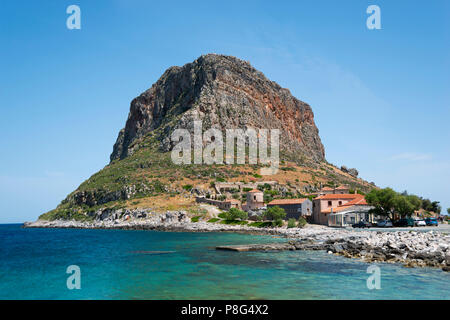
337	196
361	200
287	201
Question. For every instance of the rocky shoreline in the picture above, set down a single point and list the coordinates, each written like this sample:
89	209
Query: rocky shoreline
410	248
385	252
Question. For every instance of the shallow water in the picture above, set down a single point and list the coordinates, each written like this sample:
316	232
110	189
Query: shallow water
119	264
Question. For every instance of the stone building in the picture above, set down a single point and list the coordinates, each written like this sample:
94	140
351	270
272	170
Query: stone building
294	207
341	209
230	203
224	205
342	190
255	200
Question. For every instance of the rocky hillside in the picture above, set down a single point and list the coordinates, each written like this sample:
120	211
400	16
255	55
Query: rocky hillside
224	92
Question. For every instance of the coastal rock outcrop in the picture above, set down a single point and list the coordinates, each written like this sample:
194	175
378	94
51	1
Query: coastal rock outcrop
223	92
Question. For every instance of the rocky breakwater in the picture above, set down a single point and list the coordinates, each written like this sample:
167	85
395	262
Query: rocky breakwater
138	219
412	249
423	249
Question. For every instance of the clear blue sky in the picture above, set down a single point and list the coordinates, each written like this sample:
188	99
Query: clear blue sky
380	97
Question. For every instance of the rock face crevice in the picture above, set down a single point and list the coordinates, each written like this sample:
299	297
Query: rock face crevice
223	92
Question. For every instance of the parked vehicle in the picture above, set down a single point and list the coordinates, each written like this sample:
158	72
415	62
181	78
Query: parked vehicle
431	222
362	224
405	222
420	222
384	223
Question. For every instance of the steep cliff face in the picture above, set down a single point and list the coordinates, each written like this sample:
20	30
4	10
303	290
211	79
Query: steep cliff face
223	92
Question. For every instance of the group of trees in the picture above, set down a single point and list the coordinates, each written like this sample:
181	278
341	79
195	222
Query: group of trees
388	202
429	205
292	223
235	214
274	214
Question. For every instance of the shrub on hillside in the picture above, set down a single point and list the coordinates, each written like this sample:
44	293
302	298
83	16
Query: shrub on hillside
291	223
274	213
301	222
235	214
277	223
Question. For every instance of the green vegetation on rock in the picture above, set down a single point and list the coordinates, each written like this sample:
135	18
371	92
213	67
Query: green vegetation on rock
234	214
234	222
274	213
291	223
301	222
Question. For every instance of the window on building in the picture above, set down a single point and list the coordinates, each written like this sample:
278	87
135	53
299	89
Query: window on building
329	203
340	202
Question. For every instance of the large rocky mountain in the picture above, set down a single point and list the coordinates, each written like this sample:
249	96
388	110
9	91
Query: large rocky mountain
224	92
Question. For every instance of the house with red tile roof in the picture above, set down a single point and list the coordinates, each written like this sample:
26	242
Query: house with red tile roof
294	207
341	209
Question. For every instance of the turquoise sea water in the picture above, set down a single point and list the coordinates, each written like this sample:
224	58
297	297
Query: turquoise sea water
117	264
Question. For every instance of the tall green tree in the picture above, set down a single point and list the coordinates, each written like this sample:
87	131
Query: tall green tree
448	211
415	201
426	204
234	214
274	213
438	210
383	201
403	206
435	207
